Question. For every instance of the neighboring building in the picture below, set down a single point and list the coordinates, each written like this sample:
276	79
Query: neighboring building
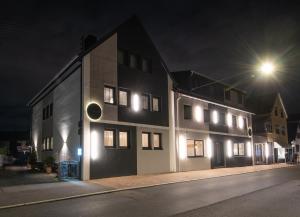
269	128
10	140
212	122
116	110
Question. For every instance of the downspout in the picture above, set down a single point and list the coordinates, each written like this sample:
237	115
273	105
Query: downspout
177	137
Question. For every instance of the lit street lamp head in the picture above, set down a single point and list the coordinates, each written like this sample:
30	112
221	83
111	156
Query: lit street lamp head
267	68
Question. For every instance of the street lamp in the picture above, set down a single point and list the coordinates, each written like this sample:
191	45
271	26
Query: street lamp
267	68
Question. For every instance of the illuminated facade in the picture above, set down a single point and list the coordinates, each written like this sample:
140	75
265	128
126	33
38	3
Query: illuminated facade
117	110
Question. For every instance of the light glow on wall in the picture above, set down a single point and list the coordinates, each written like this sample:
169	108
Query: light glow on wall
215	117
249	149
267	150
229	148
94	145
135	102
182	147
241	122
198	113
229	119
209	148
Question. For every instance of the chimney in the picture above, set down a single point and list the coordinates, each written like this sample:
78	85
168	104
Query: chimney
87	42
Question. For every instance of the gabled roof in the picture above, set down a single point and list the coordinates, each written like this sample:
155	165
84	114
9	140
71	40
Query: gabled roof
77	59
179	75
263	104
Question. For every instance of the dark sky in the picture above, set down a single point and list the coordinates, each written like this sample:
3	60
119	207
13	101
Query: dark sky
219	38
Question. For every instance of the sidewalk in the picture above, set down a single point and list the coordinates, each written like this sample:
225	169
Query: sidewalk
41	193
168	178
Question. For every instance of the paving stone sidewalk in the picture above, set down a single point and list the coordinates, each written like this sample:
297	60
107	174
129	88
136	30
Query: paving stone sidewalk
158	179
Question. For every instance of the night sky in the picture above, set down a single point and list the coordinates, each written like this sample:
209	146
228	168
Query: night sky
222	39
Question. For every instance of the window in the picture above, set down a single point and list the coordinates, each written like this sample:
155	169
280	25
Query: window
227	94
145	99
51	143
276	111
121	57
51	109
44	113
277	129
195	148
281	114
283	130
133	61
187	112
44	144
47	111
109	136
268	127
240	98
206	116
123	139
234	122
222	118
239	149
146	140
157	141
155	104
146	65
123	98
109	95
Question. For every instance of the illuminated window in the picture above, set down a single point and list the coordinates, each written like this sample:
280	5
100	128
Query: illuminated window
195	148
155	104
133	61
235	149
123	139
157	141
146	140
51	143
109	138
123	98
239	149
145	99
109	95
187	112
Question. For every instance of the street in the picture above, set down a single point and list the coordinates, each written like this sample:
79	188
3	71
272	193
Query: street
266	193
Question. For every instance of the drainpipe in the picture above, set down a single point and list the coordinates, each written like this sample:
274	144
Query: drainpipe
177	137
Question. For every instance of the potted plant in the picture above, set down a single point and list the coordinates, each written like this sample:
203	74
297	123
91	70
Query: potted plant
49	162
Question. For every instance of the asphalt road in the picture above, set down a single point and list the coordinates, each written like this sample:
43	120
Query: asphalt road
268	193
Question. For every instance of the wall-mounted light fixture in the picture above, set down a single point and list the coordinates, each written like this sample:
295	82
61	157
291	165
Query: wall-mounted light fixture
94	111
229	148
135	102
209	148
267	150
94	145
198	113
215	116
249	149
241	122
229	119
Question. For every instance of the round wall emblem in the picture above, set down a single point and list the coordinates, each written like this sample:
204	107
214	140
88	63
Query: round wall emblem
94	111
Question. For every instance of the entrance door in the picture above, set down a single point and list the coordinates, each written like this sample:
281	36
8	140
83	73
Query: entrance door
218	160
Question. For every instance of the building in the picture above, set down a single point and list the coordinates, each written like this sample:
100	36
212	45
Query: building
117	110
269	128
211	123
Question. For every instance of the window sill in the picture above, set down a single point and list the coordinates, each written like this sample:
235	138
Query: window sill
146	148
200	156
